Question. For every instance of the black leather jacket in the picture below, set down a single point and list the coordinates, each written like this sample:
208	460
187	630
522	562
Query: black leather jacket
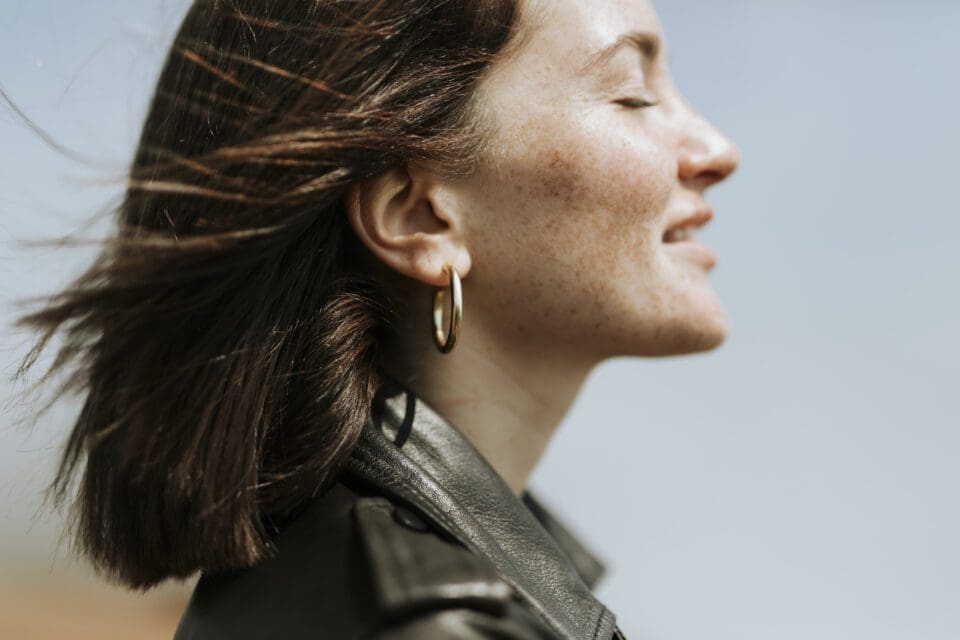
420	539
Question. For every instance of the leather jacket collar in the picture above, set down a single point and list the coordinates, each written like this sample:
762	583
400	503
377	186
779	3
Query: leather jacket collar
412	453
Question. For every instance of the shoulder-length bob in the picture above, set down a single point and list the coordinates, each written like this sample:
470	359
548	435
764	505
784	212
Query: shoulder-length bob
225	339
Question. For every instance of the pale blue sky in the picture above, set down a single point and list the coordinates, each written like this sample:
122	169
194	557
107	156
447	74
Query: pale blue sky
802	480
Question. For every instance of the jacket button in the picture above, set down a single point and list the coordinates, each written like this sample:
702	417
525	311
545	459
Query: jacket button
409	519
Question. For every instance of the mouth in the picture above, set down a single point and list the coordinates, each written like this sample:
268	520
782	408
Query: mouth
682	229
680	237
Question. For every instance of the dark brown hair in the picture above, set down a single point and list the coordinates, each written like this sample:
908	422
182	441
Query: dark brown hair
225	340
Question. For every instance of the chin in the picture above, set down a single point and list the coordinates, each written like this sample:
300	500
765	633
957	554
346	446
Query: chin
707	338
708	331
696	331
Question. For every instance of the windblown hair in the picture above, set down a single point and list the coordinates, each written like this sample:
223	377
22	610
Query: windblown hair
225	341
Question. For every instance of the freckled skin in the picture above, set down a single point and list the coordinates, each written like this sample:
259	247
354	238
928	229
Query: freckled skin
565	222
557	236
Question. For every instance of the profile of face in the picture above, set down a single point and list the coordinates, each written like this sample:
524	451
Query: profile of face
561	235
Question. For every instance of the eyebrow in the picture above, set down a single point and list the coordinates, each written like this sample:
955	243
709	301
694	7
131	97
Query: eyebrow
647	42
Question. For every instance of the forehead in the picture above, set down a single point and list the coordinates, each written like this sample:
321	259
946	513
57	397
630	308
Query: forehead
560	37
566	34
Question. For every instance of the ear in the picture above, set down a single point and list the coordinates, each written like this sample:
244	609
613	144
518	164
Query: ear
406	218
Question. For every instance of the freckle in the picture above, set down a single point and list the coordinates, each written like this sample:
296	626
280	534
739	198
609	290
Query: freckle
558	177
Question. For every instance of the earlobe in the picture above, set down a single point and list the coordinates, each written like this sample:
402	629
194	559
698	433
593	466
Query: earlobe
395	216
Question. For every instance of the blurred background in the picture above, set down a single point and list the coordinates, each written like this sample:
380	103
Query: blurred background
803	480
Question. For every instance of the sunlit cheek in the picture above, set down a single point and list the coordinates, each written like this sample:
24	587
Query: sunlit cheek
631	186
575	194
617	183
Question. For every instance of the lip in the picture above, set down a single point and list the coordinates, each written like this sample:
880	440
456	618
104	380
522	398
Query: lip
695	250
696	219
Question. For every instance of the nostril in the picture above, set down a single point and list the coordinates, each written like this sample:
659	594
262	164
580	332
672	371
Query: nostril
705	178
712	177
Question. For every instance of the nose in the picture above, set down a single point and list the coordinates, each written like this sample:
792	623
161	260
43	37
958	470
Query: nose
707	156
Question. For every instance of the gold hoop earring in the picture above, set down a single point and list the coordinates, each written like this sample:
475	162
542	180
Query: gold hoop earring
456	312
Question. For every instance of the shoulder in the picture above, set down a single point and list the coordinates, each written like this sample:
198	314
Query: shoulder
430	586
359	566
310	581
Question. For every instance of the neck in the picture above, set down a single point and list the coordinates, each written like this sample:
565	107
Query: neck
507	397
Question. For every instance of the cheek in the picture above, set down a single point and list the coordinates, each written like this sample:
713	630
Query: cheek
569	196
568	227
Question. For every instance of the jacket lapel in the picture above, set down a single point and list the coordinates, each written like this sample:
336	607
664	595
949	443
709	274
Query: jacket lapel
411	452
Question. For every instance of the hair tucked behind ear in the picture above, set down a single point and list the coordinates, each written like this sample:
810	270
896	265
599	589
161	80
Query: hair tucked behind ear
225	338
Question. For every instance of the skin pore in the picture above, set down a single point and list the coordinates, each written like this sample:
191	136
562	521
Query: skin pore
558	236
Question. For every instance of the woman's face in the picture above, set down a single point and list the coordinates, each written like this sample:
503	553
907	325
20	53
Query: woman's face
565	223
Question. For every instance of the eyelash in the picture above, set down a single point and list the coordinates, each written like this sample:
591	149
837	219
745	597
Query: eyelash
638	103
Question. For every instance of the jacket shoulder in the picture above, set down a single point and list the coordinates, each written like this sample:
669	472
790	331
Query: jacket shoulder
467	624
430	586
415	566
359	566
315	579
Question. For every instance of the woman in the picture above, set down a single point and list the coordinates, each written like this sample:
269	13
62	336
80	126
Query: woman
275	396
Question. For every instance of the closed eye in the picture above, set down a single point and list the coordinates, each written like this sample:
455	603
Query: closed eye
638	103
